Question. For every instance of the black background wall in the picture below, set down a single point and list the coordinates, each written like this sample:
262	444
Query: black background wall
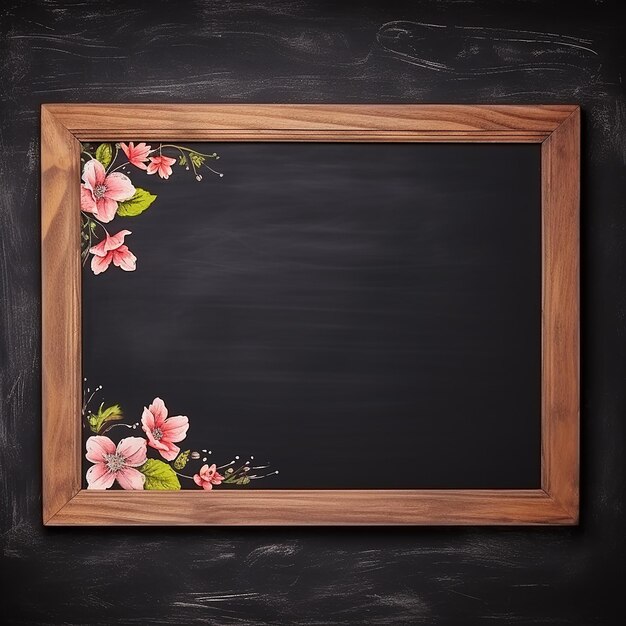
483	51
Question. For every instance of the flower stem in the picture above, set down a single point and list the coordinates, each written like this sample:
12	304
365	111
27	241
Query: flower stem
90	218
114	426
181	148
109	170
181	475
235	474
214	171
119	167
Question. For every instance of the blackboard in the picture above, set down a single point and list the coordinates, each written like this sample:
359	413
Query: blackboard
350	315
315	314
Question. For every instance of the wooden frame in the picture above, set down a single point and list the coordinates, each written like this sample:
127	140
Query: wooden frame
555	127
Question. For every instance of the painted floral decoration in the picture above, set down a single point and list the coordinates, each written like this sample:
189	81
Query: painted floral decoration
207	477
107	193
113	462
163	432
154	461
112	249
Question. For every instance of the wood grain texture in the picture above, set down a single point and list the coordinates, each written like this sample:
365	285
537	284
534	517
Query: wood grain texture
561	314
557	502
61	340
314	507
289	122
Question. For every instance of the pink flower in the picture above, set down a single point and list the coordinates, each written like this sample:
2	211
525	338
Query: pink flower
208	477
115	463
113	249
163	431
162	165
101	193
136	154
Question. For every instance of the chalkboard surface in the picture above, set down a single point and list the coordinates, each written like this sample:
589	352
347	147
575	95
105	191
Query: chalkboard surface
355	315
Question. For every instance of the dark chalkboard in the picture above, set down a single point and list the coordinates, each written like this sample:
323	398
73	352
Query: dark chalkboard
352	315
309	51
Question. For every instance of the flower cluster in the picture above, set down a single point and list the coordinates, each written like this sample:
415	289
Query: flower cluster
128	463
106	193
155	461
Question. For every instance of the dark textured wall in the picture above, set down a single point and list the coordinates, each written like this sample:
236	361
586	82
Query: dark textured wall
480	51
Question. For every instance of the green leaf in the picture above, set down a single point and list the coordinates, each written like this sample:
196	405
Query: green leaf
137	204
182	160
103	416
104	154
196	159
159	476
232	477
182	459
